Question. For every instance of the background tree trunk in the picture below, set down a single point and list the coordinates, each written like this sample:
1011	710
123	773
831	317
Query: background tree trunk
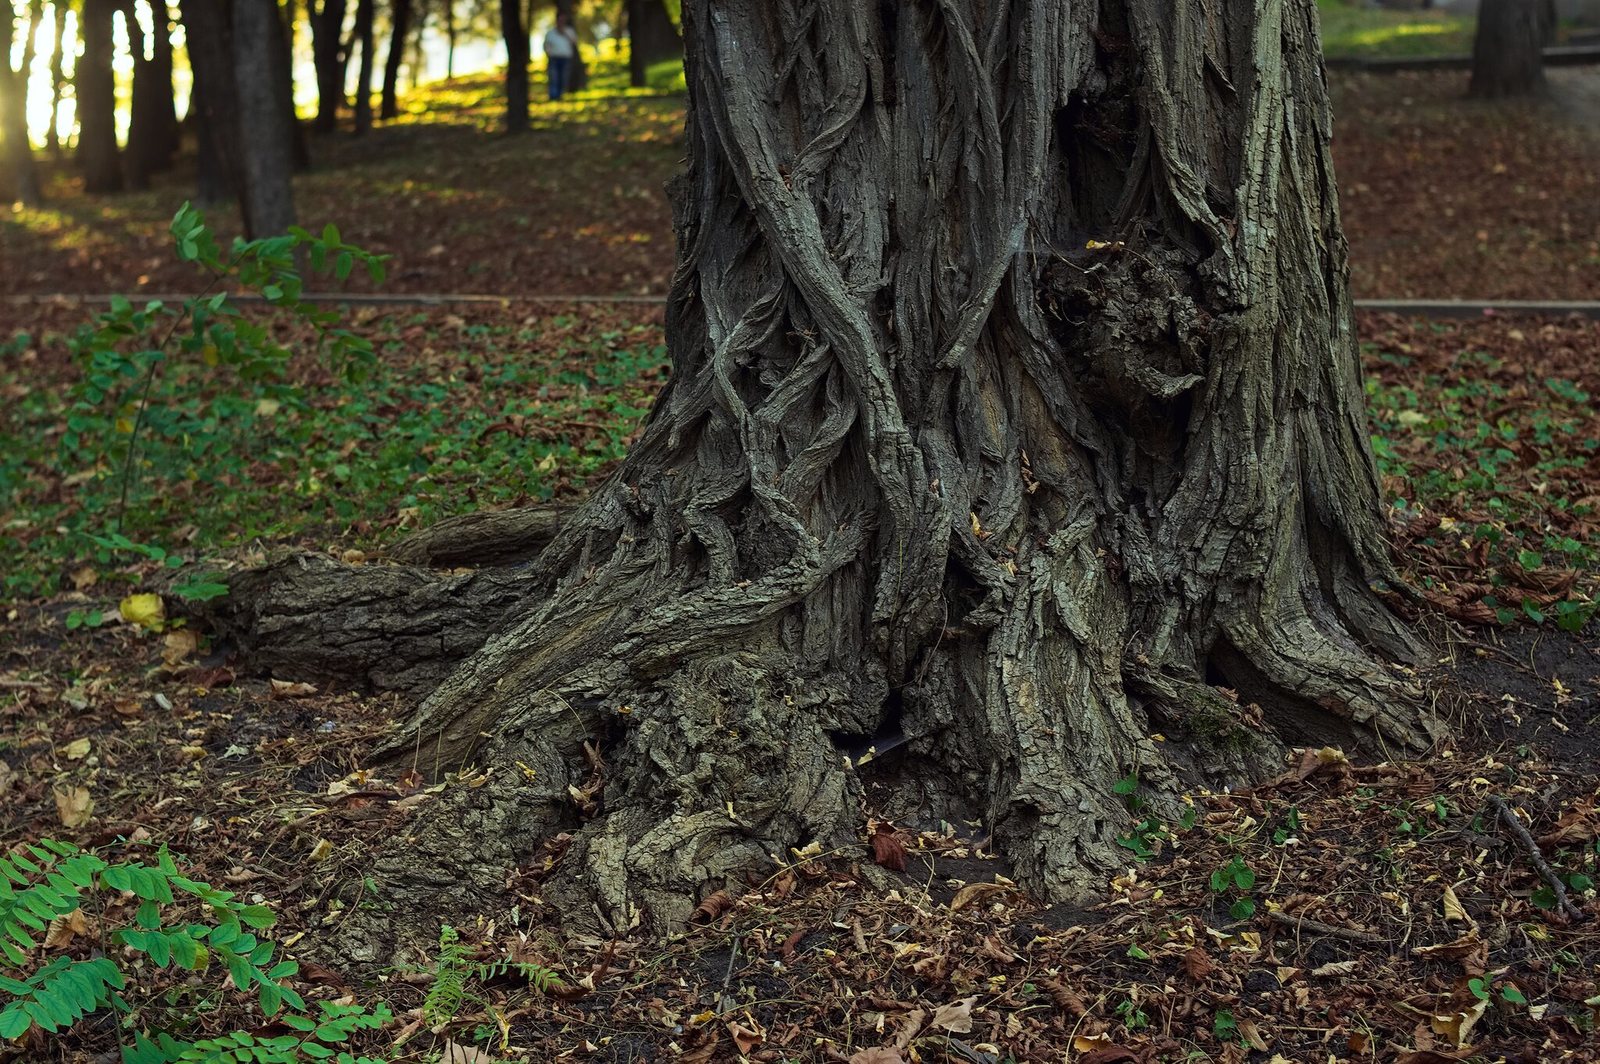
95	86
214	102
578	70
399	31
328	56
1015	417
267	134
58	30
651	38
365	39
518	55
450	39
152	124
1508	49
21	176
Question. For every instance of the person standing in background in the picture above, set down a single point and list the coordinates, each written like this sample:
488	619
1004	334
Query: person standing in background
560	46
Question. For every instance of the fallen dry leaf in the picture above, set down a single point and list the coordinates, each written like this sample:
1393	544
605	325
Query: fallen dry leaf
290	689
973	893
63	929
144	610
74	806
955	1017
877	1055
887	849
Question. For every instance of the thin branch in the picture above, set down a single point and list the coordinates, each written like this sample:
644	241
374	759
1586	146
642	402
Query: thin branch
1519	832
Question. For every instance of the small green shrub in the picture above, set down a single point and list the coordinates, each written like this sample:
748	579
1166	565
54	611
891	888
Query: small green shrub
52	880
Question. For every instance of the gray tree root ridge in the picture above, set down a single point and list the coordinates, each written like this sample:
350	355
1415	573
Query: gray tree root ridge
1015	410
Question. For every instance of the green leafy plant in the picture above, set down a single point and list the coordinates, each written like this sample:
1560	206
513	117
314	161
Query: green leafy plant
455	969
1486	988
1236	878
1148	832
50	880
129	421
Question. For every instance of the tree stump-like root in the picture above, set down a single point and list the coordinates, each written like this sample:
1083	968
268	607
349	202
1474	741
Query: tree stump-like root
1015	421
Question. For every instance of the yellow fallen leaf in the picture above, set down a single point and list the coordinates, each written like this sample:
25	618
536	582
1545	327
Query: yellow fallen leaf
955	1017
74	806
1453	909
1457	1026
63	929
973	893
179	644
76	750
145	610
267	407
321	850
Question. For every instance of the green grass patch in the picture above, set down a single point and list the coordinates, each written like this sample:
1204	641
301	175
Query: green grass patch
457	415
1352	30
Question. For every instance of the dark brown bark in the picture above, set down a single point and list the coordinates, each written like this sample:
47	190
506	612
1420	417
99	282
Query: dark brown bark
519	52
99	159
153	119
651	38
19	177
365	39
261	78
329	56
1508	49
1015	413
399	31
214	102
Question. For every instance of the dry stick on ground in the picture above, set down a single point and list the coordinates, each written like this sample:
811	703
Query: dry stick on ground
1519	831
1305	923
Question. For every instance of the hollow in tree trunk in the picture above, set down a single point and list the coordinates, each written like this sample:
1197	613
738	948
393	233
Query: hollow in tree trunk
1508	49
651	38
1015	418
95	87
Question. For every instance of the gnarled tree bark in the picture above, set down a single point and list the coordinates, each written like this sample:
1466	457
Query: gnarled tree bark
1015	411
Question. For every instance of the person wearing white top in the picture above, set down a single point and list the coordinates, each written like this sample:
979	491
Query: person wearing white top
560	47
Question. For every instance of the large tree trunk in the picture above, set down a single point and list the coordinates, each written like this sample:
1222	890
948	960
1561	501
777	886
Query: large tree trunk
518	55
19	177
98	156
1508	49
651	38
1015	417
400	28
214	103
267	133
328	57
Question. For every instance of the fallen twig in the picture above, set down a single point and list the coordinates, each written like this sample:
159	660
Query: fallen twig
1305	923
1519	831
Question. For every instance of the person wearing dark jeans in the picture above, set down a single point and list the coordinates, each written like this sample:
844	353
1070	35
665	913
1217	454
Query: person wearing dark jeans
560	47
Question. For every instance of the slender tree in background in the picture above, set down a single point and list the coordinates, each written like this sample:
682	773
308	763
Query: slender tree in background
577	70
283	84
95	86
329	56
268	157
1508	49
399	35
518	55
365	37
1015	417
214	101
652	38
20	175
58	78
450	38
153	119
